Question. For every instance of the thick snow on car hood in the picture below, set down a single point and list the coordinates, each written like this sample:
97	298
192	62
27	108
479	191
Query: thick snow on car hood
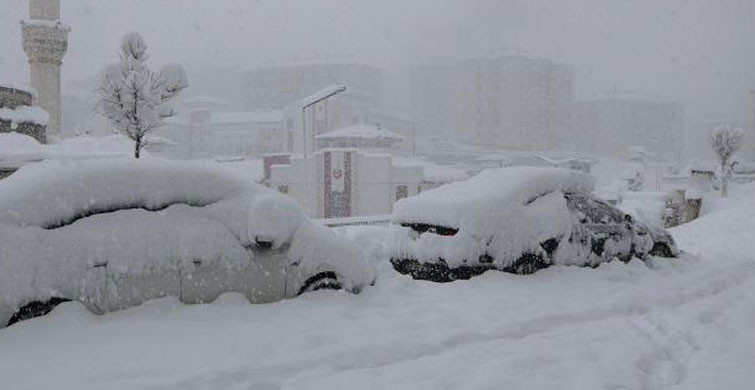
58	220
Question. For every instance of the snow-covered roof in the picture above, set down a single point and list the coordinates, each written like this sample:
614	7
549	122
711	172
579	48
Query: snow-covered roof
25	114
18	85
707	165
362	132
493	191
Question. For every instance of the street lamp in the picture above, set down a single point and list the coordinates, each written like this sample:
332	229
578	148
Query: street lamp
305	104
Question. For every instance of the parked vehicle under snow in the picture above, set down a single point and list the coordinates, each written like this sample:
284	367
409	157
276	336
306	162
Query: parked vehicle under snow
116	233
515	220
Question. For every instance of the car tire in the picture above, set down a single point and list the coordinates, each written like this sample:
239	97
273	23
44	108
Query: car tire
321	281
661	249
35	309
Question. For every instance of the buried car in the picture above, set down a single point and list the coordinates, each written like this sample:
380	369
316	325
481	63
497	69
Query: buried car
114	234
516	220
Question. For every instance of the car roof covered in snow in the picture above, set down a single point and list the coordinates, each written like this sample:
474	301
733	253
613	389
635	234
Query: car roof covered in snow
489	193
54	193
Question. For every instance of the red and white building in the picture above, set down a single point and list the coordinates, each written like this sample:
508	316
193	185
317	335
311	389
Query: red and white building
343	182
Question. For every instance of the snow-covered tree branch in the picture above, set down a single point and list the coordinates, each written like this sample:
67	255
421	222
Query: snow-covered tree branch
133	97
726	139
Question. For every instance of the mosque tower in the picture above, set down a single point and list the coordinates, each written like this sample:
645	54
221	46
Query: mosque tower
45	41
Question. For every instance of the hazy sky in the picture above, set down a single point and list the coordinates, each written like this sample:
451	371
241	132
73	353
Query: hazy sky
698	52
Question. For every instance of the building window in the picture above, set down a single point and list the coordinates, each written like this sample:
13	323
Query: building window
402	191
283	188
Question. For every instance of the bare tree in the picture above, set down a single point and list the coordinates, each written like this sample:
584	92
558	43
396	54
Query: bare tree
726	139
136	99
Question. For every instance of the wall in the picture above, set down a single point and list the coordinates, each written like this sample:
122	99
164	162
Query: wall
370	187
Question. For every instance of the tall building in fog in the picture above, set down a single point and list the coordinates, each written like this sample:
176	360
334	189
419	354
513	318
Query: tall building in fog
513	102
609	126
433	98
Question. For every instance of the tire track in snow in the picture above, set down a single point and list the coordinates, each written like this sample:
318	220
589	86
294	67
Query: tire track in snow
276	376
675	340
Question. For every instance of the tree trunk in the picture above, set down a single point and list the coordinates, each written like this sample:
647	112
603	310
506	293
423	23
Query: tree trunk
724	180
138	148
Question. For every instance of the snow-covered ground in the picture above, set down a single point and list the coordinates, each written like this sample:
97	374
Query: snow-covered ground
679	324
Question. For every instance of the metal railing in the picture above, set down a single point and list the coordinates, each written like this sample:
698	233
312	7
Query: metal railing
370	220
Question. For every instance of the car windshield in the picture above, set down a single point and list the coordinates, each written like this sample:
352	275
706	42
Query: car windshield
427	228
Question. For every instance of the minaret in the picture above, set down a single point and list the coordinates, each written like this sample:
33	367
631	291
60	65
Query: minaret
45	43
753	117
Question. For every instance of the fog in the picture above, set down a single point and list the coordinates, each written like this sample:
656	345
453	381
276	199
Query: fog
699	53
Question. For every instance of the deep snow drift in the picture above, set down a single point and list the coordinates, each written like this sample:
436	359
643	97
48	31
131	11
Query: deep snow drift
677	324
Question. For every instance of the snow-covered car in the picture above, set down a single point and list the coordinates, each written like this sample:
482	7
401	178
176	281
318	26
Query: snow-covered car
516	220
113	234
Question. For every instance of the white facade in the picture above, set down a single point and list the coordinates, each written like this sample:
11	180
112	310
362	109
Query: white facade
208	134
343	182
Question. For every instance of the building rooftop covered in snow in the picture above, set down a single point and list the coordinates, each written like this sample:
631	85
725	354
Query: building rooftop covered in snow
359	136
17	114
209	133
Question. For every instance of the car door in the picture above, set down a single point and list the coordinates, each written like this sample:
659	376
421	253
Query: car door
261	278
107	289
